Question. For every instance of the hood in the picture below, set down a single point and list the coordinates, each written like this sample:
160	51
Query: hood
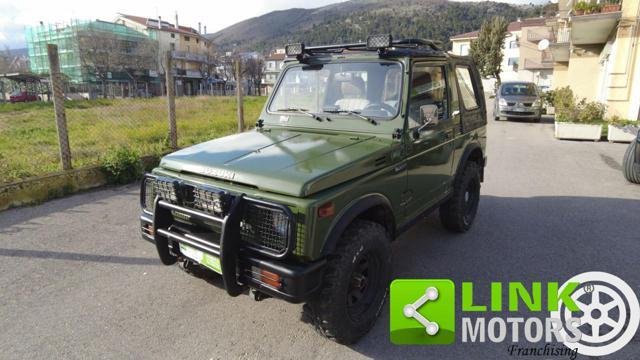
283	161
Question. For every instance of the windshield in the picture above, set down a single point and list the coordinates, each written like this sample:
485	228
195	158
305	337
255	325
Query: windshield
519	89
370	89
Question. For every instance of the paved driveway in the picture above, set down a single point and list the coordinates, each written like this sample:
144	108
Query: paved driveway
77	281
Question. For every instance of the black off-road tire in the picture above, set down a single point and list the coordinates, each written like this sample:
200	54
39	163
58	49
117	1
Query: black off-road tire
458	213
631	168
333	311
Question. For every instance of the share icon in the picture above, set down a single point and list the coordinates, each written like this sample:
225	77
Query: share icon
411	310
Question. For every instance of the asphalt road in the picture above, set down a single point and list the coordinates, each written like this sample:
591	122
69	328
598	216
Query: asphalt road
78	282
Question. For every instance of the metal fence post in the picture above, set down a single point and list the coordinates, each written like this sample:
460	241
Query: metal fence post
57	87
240	96
171	101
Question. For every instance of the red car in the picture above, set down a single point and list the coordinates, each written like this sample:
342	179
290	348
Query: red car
22	96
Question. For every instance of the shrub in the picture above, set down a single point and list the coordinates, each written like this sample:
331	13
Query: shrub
122	165
570	109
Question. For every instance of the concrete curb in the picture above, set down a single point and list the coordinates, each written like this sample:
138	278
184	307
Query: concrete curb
36	190
39	189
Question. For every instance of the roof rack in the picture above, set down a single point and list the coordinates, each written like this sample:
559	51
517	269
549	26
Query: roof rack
379	43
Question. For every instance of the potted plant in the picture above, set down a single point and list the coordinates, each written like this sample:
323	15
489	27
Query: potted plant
577	120
611	6
580	7
620	130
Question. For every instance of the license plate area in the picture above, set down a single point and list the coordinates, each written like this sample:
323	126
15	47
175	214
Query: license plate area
202	258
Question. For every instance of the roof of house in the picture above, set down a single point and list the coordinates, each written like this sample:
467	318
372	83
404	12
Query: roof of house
166	26
513	26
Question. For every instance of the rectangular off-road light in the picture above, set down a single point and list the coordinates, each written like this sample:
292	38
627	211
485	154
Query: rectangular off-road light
294	49
379	41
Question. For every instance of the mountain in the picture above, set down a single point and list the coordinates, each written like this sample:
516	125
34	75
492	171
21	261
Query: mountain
354	20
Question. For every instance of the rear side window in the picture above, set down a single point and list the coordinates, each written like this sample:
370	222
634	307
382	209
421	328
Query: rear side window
467	88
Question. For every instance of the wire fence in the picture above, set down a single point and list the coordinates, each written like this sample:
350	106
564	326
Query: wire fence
29	135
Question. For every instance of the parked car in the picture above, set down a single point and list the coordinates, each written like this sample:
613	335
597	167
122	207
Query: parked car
517	100
22	96
351	149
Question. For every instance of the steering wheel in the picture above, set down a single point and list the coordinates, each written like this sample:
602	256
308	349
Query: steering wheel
380	106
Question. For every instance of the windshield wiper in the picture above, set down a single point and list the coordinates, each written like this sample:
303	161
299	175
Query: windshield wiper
349	112
301	111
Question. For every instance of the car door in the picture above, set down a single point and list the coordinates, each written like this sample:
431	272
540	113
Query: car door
471	106
430	147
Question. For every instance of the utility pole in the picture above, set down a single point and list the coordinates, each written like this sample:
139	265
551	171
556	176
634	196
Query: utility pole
239	95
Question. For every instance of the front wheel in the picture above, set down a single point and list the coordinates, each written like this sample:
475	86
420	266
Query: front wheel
355	284
458	213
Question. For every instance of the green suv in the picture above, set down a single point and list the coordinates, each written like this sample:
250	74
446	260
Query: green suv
356	143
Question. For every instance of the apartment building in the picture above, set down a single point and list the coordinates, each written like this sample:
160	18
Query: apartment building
273	65
193	54
597	54
522	60
118	58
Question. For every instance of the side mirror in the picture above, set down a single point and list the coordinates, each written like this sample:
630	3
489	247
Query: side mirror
428	117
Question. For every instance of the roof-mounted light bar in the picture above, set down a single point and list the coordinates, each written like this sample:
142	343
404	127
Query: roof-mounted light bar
381	41
294	49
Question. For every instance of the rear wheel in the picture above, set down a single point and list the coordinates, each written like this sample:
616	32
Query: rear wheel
458	213
631	165
355	284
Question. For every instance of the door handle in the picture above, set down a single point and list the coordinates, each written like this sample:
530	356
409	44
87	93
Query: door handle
400	167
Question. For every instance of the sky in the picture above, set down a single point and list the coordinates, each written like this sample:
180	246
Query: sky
15	15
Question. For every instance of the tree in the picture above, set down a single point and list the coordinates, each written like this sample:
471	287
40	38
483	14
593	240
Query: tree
254	69
99	52
139	57
486	50
103	53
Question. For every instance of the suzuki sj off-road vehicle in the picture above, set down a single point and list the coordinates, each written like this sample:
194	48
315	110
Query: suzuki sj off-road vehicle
356	143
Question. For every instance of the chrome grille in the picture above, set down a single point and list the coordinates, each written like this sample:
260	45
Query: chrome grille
266	227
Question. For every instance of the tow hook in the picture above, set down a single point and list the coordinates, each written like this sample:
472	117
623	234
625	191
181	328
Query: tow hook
257	295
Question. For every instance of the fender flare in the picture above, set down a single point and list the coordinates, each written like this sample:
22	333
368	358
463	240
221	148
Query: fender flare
465	157
350	212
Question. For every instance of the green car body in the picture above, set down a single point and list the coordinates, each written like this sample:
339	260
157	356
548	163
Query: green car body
329	169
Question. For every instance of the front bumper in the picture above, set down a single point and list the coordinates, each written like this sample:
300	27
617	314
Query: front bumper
526	113
298	281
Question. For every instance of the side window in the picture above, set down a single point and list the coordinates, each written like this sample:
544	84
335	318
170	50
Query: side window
428	87
467	88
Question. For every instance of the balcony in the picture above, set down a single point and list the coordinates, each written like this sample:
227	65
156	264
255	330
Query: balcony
559	45
593	29
535	37
537	64
183	55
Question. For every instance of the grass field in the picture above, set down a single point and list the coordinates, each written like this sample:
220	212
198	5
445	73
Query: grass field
29	143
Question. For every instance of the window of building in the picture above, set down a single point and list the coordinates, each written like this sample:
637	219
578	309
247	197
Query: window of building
173	36
467	88
513	61
173	46
186	38
197	41
464	49
428	87
513	44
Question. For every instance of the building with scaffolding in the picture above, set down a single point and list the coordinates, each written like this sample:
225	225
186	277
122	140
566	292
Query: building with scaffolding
98	57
